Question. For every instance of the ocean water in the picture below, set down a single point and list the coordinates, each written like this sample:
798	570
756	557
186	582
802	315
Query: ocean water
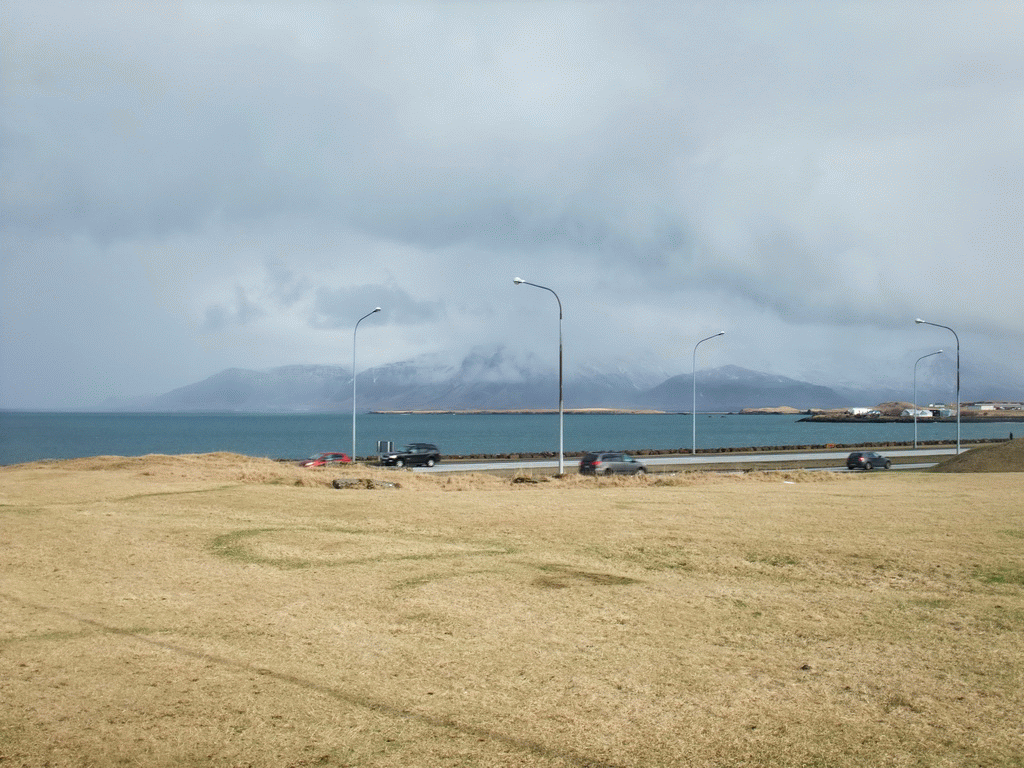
33	436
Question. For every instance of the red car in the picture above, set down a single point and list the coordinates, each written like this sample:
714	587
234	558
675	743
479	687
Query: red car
326	460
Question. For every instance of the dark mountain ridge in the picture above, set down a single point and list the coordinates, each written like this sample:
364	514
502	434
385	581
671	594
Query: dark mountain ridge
731	388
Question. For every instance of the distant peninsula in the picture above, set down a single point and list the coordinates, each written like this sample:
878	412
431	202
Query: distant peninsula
518	411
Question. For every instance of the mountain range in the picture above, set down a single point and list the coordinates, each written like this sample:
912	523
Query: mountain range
496	381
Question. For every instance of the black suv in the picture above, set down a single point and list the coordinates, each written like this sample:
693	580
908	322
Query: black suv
610	464
424	454
866	460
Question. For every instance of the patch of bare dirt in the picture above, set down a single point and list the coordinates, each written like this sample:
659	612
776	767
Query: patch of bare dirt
1000	457
200	467
893	408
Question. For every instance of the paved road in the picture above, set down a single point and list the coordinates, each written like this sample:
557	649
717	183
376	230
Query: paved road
718	460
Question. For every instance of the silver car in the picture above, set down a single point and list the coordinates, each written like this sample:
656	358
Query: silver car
610	463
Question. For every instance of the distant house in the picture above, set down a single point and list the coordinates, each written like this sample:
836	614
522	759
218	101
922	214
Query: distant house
860	411
993	406
919	413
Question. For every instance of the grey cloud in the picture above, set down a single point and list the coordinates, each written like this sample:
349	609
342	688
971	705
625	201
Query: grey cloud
342	307
242	312
287	285
125	140
818	171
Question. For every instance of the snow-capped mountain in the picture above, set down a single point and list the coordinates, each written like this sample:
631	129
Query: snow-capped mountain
495	380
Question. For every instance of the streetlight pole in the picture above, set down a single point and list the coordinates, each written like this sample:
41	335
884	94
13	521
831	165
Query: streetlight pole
694	412
919	321
922	357
561	431
375	310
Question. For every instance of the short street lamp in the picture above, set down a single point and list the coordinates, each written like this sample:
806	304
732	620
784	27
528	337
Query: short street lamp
561	432
922	357
694	412
919	321
375	310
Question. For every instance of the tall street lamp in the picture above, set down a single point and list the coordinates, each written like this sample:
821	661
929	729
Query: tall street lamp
919	321
561	431
694	412
922	357
375	310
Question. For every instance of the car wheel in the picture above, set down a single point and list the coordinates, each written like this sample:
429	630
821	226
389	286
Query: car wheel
888	464
641	471
430	462
399	463
867	465
609	471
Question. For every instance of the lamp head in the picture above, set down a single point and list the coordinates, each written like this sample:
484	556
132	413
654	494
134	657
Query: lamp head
518	280
376	309
918	320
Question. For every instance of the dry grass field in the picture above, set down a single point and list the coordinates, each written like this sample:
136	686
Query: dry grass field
220	610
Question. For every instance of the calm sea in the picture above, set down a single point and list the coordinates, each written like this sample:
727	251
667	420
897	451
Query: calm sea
33	436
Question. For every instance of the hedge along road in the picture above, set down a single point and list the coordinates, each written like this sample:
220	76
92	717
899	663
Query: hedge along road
717	462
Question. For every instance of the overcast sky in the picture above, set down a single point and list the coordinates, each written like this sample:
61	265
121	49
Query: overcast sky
193	187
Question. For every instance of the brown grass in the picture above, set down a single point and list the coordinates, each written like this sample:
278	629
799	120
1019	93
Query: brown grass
1001	457
218	610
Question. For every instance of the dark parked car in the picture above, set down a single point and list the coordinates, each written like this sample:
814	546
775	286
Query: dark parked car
326	459
867	460
424	454
610	463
